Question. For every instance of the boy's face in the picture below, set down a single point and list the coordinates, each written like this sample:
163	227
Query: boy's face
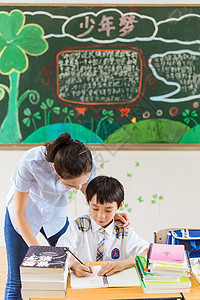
102	214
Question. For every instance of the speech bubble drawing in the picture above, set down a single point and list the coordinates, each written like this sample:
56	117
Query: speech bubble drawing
183	30
145	27
179	69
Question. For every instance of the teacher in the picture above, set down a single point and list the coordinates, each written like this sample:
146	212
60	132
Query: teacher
37	199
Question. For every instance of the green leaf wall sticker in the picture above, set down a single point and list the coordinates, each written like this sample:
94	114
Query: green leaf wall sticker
125	208
156	198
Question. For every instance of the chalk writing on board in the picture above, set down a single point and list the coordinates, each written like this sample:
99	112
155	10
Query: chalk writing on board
126	22
179	69
94	77
106	26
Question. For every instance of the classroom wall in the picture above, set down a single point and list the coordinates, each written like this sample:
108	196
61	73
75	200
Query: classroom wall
161	187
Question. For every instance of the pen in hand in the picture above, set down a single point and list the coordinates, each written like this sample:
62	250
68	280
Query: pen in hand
67	249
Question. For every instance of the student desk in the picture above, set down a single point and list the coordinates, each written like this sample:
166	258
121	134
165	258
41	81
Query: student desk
123	293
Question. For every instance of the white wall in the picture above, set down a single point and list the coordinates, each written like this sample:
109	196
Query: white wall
174	175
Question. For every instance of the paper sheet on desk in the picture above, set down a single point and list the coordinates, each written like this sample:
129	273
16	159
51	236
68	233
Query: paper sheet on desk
127	277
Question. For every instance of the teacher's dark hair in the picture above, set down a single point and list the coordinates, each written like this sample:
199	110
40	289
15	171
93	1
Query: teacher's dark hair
71	158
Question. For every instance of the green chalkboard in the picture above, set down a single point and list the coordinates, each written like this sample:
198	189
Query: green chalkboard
105	74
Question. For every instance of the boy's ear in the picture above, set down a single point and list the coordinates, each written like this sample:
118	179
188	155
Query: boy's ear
122	203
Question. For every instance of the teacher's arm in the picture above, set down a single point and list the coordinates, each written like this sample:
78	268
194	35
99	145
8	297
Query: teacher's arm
19	212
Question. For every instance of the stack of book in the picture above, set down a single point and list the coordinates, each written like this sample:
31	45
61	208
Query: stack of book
44	272
195	267
166	269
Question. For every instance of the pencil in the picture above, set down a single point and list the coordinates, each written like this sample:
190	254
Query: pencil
67	249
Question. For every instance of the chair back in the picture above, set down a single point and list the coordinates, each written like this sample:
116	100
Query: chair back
160	236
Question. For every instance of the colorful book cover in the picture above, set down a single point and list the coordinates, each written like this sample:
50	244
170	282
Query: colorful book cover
154	276
142	264
44	259
167	253
140	277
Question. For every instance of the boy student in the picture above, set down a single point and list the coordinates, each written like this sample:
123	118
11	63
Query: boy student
96	236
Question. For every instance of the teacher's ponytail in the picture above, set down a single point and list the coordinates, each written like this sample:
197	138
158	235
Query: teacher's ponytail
71	158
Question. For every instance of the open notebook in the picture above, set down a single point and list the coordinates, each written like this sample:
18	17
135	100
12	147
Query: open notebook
127	277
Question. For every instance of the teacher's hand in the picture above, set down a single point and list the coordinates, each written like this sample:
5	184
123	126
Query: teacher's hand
123	220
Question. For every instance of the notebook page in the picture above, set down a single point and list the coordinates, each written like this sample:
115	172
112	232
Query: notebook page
91	281
126	277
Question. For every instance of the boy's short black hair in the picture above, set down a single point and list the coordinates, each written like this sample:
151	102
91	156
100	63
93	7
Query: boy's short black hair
107	189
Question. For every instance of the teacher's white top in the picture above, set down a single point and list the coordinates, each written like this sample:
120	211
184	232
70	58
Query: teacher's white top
47	204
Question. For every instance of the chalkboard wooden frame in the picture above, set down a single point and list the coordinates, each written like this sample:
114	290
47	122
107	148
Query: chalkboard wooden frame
114	147
107	147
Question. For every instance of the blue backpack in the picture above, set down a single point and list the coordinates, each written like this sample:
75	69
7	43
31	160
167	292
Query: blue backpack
188	237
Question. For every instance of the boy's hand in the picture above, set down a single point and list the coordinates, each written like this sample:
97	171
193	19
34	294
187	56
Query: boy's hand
123	220
81	270
110	268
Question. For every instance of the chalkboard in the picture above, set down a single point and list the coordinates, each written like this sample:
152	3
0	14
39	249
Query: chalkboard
105	74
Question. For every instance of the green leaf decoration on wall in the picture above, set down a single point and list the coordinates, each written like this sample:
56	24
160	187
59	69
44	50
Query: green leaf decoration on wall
140	199
156	200
71	194
126	208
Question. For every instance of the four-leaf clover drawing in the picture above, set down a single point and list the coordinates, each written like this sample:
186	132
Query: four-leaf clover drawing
190	116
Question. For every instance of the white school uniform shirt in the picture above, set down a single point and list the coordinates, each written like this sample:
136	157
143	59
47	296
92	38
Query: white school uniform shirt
83	237
47	203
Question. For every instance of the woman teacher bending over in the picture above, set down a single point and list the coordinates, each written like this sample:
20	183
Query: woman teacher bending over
37	199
